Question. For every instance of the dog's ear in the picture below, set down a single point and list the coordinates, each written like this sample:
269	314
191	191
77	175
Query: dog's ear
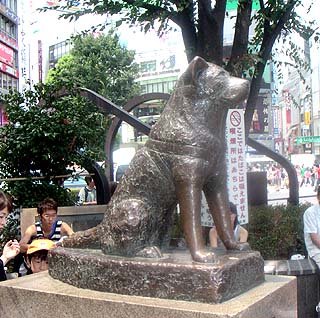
195	67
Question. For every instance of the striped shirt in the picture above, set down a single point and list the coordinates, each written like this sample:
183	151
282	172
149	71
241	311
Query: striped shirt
55	234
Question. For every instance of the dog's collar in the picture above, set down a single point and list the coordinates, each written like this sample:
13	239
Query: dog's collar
178	149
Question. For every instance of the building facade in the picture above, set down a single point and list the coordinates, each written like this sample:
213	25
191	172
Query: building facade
9	68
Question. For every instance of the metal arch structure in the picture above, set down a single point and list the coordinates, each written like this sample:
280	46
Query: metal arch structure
116	122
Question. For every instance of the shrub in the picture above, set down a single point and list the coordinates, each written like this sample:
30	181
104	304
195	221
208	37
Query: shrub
277	231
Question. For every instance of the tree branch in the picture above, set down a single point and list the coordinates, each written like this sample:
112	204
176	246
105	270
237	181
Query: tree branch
186	22
269	37
210	44
241	36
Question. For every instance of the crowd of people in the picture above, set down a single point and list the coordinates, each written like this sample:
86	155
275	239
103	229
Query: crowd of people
277	176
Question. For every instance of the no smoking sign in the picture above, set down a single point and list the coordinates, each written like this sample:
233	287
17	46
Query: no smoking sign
235	118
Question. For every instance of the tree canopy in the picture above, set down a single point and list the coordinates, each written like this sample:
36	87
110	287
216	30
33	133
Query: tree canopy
45	134
49	130
202	25
101	64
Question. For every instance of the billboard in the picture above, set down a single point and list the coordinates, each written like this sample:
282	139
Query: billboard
6	54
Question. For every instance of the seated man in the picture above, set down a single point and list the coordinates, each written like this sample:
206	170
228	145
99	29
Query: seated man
240	233
37	255
88	194
311	222
47	227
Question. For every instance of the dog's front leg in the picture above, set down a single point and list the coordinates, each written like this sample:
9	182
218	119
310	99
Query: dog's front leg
188	183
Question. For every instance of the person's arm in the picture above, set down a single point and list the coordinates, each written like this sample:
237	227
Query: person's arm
243	235
89	203
30	231
66	230
81	196
315	238
213	237
310	227
10	251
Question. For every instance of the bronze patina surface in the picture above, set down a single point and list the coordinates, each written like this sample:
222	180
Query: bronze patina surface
174	276
185	154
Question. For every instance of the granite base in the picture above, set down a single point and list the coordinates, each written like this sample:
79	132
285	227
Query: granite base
41	296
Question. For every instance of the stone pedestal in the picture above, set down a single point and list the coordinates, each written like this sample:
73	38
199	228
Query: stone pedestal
175	276
41	296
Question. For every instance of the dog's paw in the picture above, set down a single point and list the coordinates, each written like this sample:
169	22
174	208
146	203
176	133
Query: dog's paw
204	257
71	241
150	252
242	247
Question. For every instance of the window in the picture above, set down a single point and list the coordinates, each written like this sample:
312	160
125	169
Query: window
12	5
8	27
8	82
4	81
14	84
162	87
58	50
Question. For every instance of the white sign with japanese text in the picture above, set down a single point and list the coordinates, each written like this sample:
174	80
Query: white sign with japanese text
236	168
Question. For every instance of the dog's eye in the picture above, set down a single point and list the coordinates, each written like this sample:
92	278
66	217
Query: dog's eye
198	74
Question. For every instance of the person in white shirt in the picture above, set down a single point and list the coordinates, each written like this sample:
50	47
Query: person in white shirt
311	221
88	194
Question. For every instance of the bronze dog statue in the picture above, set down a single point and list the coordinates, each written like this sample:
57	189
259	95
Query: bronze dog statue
184	155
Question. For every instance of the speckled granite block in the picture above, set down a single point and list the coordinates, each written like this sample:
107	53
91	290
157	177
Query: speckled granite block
174	276
308	284
41	296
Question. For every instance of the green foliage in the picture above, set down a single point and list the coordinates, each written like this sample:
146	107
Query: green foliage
45	134
277	231
202	24
100	64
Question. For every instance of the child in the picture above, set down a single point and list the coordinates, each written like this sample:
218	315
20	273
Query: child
37	255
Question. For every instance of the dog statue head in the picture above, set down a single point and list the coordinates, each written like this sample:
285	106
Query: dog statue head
212	81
